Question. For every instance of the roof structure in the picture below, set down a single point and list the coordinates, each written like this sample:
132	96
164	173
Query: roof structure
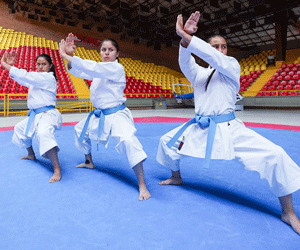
244	23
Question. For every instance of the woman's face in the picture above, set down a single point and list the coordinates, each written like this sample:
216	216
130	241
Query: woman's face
42	65
219	44
108	52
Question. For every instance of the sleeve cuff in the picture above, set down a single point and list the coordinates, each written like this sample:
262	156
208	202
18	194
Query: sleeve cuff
13	72
76	61
196	43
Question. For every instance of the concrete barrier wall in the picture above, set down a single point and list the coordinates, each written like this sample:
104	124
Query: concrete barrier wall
279	101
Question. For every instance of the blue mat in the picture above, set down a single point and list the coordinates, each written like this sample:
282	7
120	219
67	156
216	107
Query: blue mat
224	207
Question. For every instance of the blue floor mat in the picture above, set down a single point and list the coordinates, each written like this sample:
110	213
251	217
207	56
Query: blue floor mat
223	207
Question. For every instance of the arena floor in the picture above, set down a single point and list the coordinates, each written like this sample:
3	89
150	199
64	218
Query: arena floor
223	207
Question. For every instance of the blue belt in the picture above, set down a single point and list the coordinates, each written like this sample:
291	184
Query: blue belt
204	122
100	113
32	113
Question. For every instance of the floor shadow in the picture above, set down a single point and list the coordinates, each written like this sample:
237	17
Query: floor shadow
227	195
119	173
46	164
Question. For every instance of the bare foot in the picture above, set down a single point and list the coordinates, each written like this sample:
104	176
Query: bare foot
86	165
29	157
56	177
172	181
144	194
292	220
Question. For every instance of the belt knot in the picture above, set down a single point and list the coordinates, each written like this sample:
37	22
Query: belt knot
202	121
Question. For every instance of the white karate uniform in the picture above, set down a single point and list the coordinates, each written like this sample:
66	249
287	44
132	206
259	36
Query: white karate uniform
107	91
232	139
42	92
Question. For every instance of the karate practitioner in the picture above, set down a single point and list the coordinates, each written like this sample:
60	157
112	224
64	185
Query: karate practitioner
43	119
215	90
111	118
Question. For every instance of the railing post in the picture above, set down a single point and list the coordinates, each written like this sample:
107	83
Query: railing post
7	104
4	105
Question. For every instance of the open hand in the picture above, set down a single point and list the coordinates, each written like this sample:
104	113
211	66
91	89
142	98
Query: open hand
62	48
190	26
70	44
179	26
9	58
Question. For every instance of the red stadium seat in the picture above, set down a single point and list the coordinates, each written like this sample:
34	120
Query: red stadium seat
267	93
287	70
284	82
3	91
280	87
273	87
292	93
260	94
292	82
283	93
288	87
268	83
296	86
295	69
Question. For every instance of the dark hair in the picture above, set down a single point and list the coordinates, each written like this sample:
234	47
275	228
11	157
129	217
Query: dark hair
213	36
49	60
114	43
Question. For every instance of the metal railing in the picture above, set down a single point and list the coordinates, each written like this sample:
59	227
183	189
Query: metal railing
16	104
181	86
276	92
